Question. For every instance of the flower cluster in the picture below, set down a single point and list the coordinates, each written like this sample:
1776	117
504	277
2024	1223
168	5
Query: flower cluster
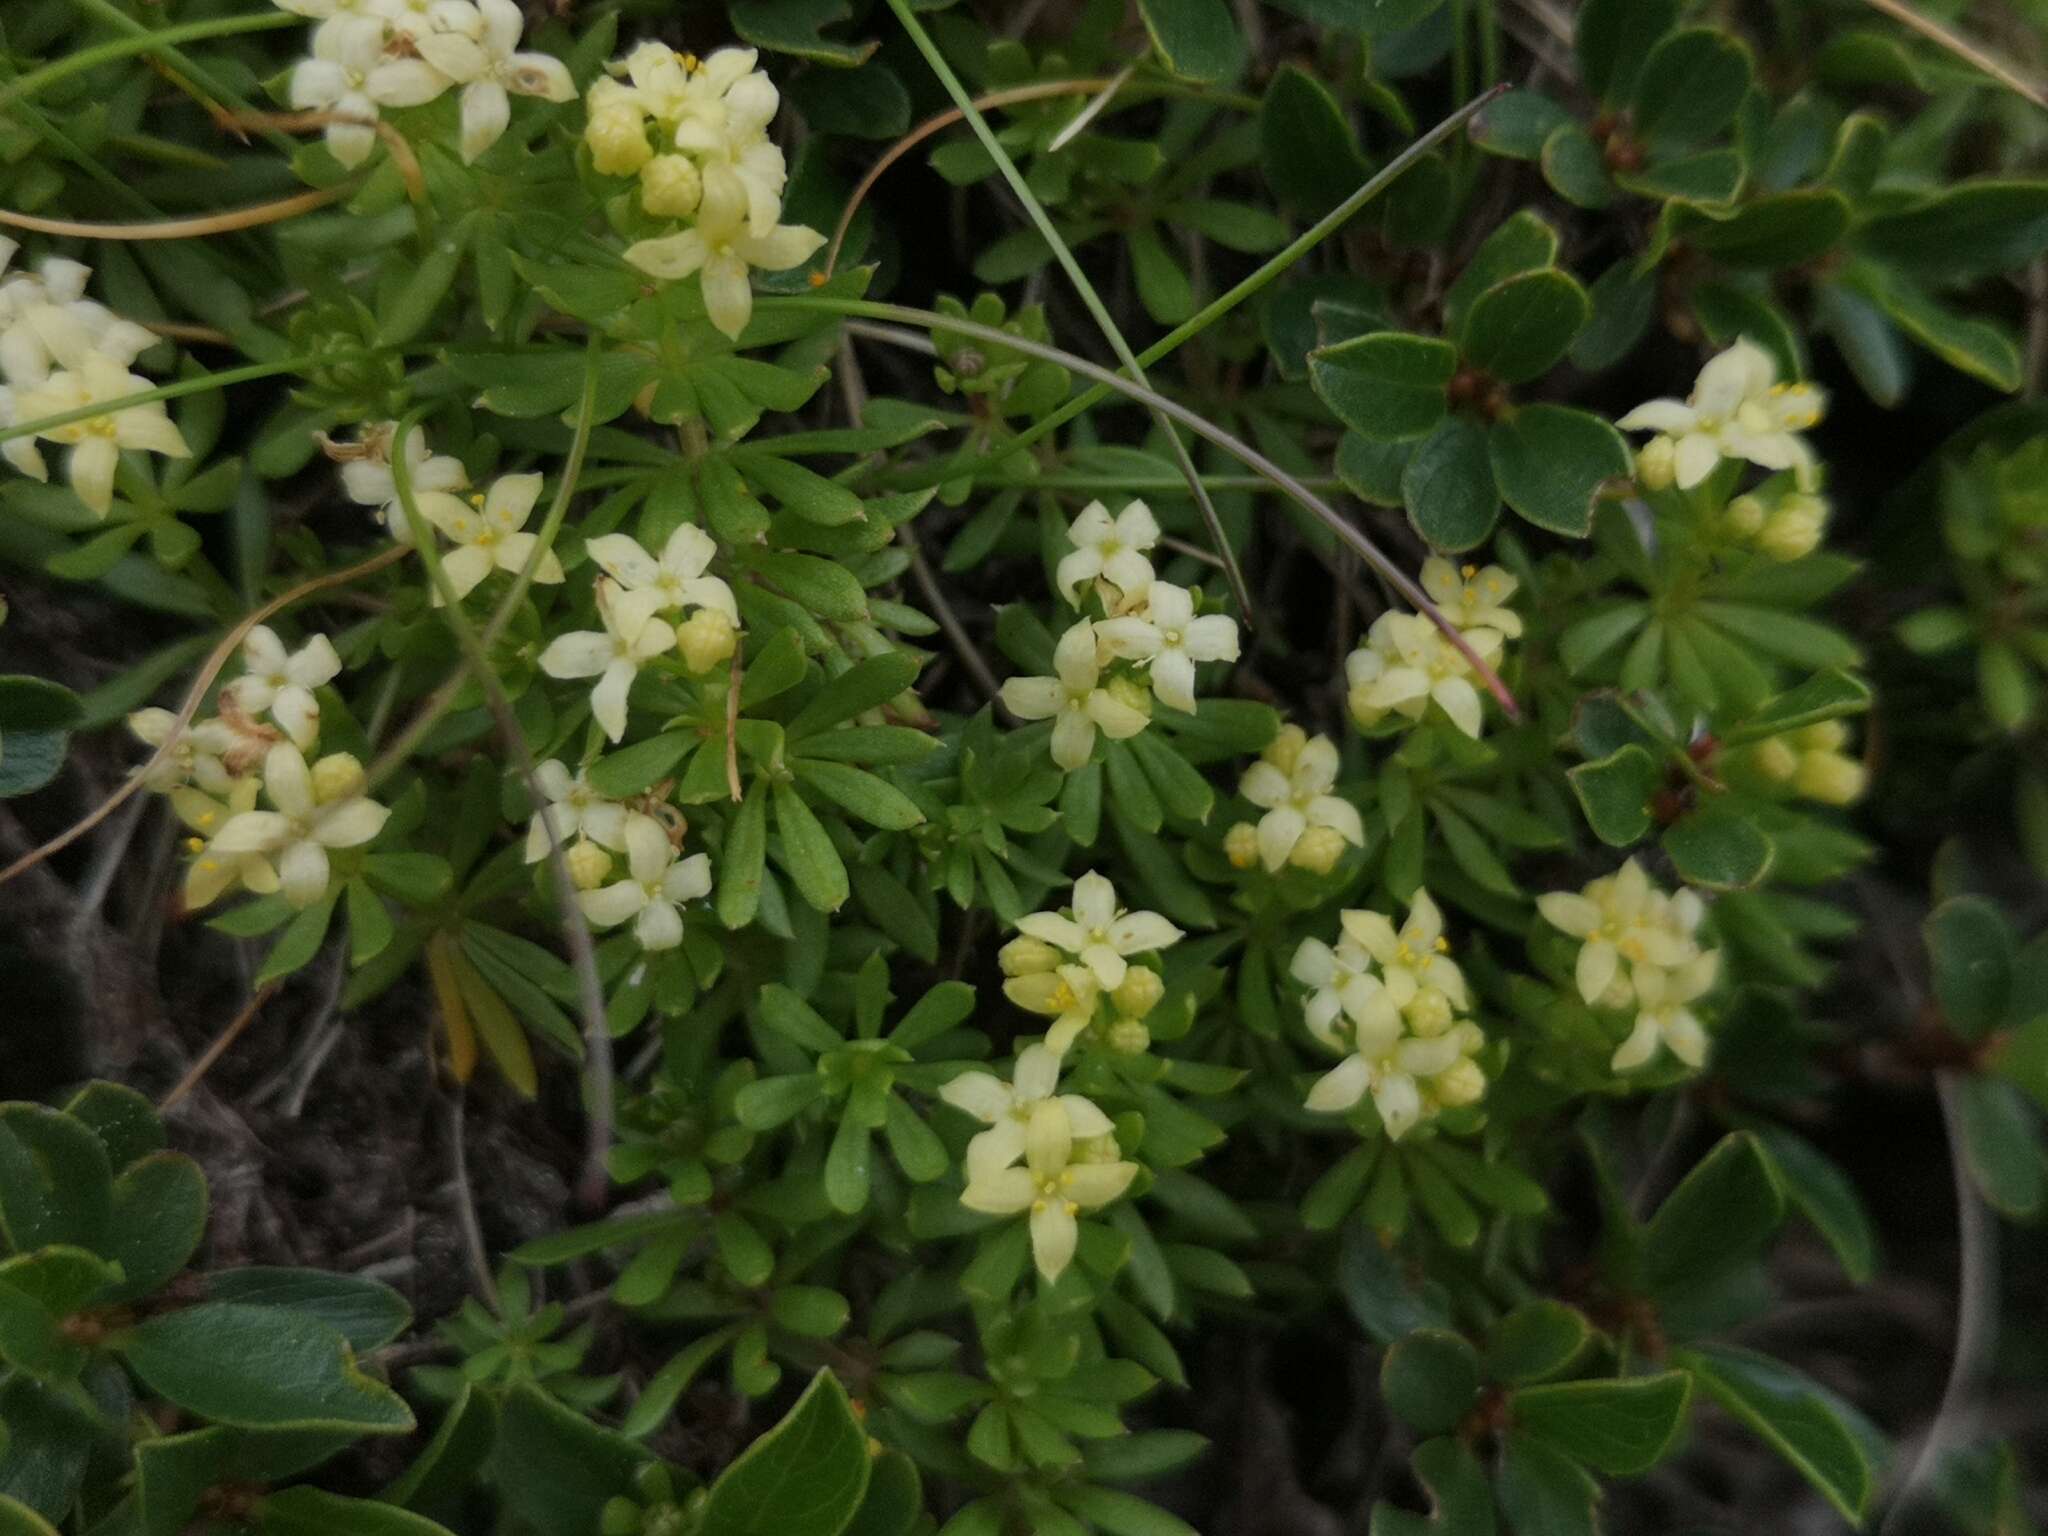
1074	968
1391	1000
634	591
262	743
372	54
1639	950
1406	662
1813	763
694	134
1738	409
1304	825
1070	1159
1146	645
658	882
60	352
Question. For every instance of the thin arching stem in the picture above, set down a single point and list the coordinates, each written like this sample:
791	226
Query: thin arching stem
193	228
926	320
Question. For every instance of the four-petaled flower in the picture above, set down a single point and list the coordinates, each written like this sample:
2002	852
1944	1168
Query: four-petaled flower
724	247
631	637
281	682
1170	640
317	808
1100	934
213	872
677	576
488	531
351	76
367	478
656	886
1407	662
483	61
1052	1185
1663	1015
1737	410
1292	783
95	441
1006	1108
1074	700
1110	550
1472	597
573	809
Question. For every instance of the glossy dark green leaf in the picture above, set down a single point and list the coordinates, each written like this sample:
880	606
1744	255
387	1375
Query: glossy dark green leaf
1719	848
1970	950
1537	1340
2001	1145
1621	1426
1387	386
1615	794
1430	1379
1793	1416
367	1313
1522	326
1691	86
1720	1216
56	1185
1551	462
1311	156
1195	39
1613	37
808	1474
1461	1503
158	1218
1448	486
260	1368
1972	229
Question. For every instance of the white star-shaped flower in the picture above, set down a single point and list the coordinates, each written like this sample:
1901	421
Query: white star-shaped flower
1074	700
280	683
1170	640
1111	550
656	886
1291	782
632	636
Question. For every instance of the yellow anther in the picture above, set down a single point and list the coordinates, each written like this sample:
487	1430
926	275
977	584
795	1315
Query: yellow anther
194	844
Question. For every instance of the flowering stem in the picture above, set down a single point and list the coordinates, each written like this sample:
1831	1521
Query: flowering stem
1218	307
1329	516
1092	300
142	42
597	1037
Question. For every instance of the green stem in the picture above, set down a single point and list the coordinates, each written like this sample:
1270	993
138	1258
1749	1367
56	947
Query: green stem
175	391
1089	297
927	320
1215	309
142	42
597	1040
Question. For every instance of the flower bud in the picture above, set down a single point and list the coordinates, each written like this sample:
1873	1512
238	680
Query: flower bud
1822	736
1045	992
1428	1012
588	865
1284	750
1793	531
1776	759
1129	1037
1318	850
617	140
1139	992
1831	778
671	186
1241	845
1131	693
1460	1083
1363	710
705	639
1657	464
1745	516
1026	956
337	776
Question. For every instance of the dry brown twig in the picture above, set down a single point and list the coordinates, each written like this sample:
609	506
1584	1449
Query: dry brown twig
194	228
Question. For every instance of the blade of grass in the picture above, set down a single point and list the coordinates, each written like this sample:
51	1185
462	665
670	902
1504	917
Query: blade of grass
142	42
1089	297
1216	308
171	55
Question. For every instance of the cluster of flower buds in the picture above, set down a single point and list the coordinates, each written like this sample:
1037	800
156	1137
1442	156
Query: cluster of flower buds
372	54
1407	663
262	806
62	352
1812	762
1778	518
694	135
1146	646
1639	953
